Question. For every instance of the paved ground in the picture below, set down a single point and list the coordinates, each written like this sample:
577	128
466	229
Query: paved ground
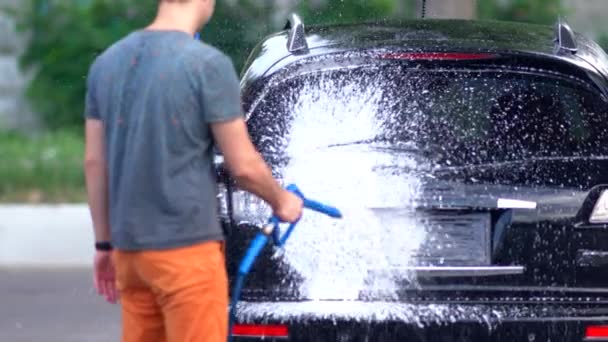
54	305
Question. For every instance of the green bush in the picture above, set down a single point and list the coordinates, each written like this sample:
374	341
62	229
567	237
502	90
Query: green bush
65	38
46	168
66	35
537	11
603	41
339	11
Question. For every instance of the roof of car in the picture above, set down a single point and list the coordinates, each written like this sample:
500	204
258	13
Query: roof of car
435	33
424	35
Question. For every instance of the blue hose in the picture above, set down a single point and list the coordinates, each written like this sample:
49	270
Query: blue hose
259	242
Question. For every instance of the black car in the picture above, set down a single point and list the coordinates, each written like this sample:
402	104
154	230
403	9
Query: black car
470	161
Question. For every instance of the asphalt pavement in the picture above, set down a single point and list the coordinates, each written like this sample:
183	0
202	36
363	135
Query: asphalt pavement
54	305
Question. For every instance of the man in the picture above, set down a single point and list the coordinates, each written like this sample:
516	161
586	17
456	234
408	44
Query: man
156	102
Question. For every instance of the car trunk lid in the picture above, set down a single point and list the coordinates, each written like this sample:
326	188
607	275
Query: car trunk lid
450	176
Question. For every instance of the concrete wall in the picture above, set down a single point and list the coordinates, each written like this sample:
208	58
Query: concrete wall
14	109
587	16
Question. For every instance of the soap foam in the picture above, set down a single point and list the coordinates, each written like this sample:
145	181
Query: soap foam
420	314
335	256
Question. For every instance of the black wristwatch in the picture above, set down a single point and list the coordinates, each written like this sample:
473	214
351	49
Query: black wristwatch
103	246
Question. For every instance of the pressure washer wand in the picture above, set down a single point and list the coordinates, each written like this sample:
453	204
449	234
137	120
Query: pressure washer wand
260	240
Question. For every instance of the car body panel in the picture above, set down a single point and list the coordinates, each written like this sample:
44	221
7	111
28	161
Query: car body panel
563	257
423	35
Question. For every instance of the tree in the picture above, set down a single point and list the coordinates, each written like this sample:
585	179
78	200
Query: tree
537	11
603	41
340	11
67	35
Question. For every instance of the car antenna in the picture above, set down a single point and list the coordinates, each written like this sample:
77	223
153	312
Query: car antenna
423	14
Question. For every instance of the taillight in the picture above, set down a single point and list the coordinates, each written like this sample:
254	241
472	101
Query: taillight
436	56
246	207
260	331
600	210
596	333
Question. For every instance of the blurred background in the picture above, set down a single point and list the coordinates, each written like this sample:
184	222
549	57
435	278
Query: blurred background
46	47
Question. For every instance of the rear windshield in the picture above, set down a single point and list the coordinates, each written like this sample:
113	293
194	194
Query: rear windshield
453	116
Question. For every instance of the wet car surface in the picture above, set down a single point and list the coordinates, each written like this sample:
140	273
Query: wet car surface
469	160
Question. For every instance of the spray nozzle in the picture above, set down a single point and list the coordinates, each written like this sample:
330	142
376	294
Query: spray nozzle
272	229
260	240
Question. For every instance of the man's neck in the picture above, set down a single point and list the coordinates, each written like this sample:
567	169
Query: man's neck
174	18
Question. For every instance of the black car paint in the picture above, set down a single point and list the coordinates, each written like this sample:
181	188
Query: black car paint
523	39
564	288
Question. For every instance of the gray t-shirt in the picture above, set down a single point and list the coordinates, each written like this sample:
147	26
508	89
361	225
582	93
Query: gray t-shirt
156	92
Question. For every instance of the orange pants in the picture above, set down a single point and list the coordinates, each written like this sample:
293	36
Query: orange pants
178	295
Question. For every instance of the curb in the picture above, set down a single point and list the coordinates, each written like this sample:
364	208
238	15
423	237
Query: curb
46	235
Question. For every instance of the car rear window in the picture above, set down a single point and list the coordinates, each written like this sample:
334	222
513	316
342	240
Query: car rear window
451	115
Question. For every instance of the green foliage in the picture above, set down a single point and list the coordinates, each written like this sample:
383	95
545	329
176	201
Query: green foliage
65	38
236	29
603	41
339	11
67	35
537	11
44	168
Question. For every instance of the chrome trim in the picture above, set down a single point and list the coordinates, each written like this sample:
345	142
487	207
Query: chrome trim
591	258
506	203
462	271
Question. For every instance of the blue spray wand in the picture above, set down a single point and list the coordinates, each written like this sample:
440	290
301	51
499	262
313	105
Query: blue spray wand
260	240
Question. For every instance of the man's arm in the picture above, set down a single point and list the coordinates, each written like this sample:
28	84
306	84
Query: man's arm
220	94
244	162
97	178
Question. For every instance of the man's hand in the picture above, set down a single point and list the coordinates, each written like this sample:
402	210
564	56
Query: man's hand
104	276
290	207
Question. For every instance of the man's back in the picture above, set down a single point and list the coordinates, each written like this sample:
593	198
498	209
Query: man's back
154	101
156	91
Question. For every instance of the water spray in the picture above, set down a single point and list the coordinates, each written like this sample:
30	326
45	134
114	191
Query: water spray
272	229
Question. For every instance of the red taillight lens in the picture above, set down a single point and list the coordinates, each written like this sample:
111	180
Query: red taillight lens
255	330
597	333
436	56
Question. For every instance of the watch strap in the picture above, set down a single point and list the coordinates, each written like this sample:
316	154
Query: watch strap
103	246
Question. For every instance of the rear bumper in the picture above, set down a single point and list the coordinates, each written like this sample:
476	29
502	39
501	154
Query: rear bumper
387	322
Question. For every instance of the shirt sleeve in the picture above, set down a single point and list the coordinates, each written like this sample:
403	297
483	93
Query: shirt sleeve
221	90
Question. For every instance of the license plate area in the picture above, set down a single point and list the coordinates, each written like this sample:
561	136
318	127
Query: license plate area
455	239
436	238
